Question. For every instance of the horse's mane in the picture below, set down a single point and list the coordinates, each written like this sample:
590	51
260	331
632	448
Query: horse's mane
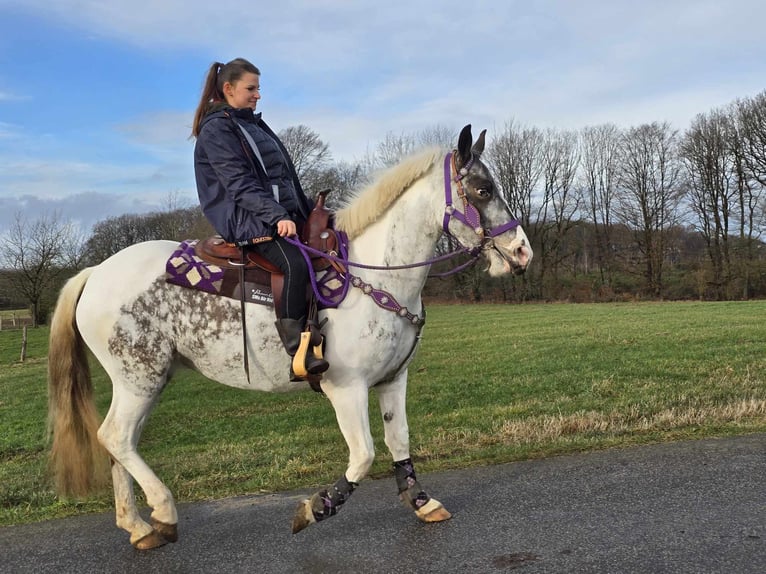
367	204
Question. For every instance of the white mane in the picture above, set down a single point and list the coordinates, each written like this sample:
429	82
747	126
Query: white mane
370	202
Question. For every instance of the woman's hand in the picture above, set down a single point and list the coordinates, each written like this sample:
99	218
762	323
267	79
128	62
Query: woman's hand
286	228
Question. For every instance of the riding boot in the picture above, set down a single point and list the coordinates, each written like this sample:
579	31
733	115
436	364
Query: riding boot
305	348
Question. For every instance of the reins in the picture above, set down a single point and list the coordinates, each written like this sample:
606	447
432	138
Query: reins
470	217
348	263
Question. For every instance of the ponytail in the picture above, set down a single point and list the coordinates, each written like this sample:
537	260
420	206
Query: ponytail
212	89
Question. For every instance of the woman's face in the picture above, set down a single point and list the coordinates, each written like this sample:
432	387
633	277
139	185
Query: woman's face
243	93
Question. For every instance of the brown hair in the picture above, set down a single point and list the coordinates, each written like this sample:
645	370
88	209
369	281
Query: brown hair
212	89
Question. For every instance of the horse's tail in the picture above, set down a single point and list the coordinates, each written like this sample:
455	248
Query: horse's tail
78	462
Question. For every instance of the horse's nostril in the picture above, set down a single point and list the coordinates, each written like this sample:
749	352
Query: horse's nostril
522	255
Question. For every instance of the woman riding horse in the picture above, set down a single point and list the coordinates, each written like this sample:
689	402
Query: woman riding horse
250	193
140	328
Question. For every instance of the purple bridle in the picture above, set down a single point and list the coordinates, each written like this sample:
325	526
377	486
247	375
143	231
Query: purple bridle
470	217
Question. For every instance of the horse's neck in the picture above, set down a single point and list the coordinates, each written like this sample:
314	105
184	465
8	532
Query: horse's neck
407	233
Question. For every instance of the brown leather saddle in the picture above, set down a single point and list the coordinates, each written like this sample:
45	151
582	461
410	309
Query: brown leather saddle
254	270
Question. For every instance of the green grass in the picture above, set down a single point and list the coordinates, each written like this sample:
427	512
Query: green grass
490	384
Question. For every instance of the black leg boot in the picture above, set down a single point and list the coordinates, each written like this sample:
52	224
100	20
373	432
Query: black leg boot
294	338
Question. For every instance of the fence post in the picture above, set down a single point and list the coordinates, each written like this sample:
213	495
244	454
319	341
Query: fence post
24	344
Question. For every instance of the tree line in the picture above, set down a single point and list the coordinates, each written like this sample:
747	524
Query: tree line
613	213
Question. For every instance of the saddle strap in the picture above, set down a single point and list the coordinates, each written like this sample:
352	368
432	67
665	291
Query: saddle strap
245	360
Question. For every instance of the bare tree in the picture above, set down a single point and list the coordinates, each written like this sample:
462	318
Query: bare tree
751	116
395	147
391	150
343	179
750	161
116	233
437	135
708	153
600	160
559	202
514	158
650	191
309	154
37	253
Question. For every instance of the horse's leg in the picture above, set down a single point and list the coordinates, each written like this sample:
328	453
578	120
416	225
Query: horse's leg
128	517
119	434
392	398
351	410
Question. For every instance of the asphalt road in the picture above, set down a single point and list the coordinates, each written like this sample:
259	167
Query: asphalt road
696	507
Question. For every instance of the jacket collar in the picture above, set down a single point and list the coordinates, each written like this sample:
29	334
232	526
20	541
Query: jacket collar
222	109
245	114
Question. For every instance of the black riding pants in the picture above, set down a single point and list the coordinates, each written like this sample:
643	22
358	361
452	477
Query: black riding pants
290	261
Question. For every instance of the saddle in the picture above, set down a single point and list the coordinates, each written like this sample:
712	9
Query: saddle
317	233
215	266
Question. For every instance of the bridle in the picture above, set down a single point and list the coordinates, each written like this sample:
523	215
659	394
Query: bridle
470	217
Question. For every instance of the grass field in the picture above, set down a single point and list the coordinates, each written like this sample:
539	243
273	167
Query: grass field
490	384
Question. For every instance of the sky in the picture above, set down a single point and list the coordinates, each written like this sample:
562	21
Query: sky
97	96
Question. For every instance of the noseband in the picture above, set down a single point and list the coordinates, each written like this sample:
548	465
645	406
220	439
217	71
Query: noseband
470	216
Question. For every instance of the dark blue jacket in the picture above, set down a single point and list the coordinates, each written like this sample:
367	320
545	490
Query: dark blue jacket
235	193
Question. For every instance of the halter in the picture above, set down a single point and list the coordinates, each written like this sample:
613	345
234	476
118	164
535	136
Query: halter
470	215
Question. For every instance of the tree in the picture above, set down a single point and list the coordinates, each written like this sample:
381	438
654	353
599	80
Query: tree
309	153
650	190
750	164
708	153
394	148
515	159
600	161
37	253
116	233
559	202
343	179
751	116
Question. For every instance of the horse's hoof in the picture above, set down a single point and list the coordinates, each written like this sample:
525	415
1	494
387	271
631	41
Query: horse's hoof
438	515
168	531
303	516
433	511
151	540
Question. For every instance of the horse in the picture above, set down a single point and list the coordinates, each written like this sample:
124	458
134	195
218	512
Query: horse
140	328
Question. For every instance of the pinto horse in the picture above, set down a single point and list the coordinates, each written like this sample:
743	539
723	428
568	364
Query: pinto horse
139	328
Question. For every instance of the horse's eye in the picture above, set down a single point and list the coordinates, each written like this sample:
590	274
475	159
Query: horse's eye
483	192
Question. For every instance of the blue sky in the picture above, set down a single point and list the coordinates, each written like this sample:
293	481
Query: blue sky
96	96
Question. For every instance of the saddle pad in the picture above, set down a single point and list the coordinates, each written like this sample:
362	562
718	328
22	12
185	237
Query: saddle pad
185	269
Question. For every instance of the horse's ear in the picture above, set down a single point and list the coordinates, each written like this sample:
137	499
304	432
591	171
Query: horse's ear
478	147
464	145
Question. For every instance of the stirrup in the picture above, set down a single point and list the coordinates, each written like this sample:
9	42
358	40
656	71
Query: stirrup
302	354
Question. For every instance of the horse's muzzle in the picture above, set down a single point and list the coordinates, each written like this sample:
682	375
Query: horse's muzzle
517	258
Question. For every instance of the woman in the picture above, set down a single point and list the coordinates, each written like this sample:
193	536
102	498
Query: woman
249	190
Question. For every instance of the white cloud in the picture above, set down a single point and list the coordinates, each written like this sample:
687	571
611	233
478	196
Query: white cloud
83	209
53	181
